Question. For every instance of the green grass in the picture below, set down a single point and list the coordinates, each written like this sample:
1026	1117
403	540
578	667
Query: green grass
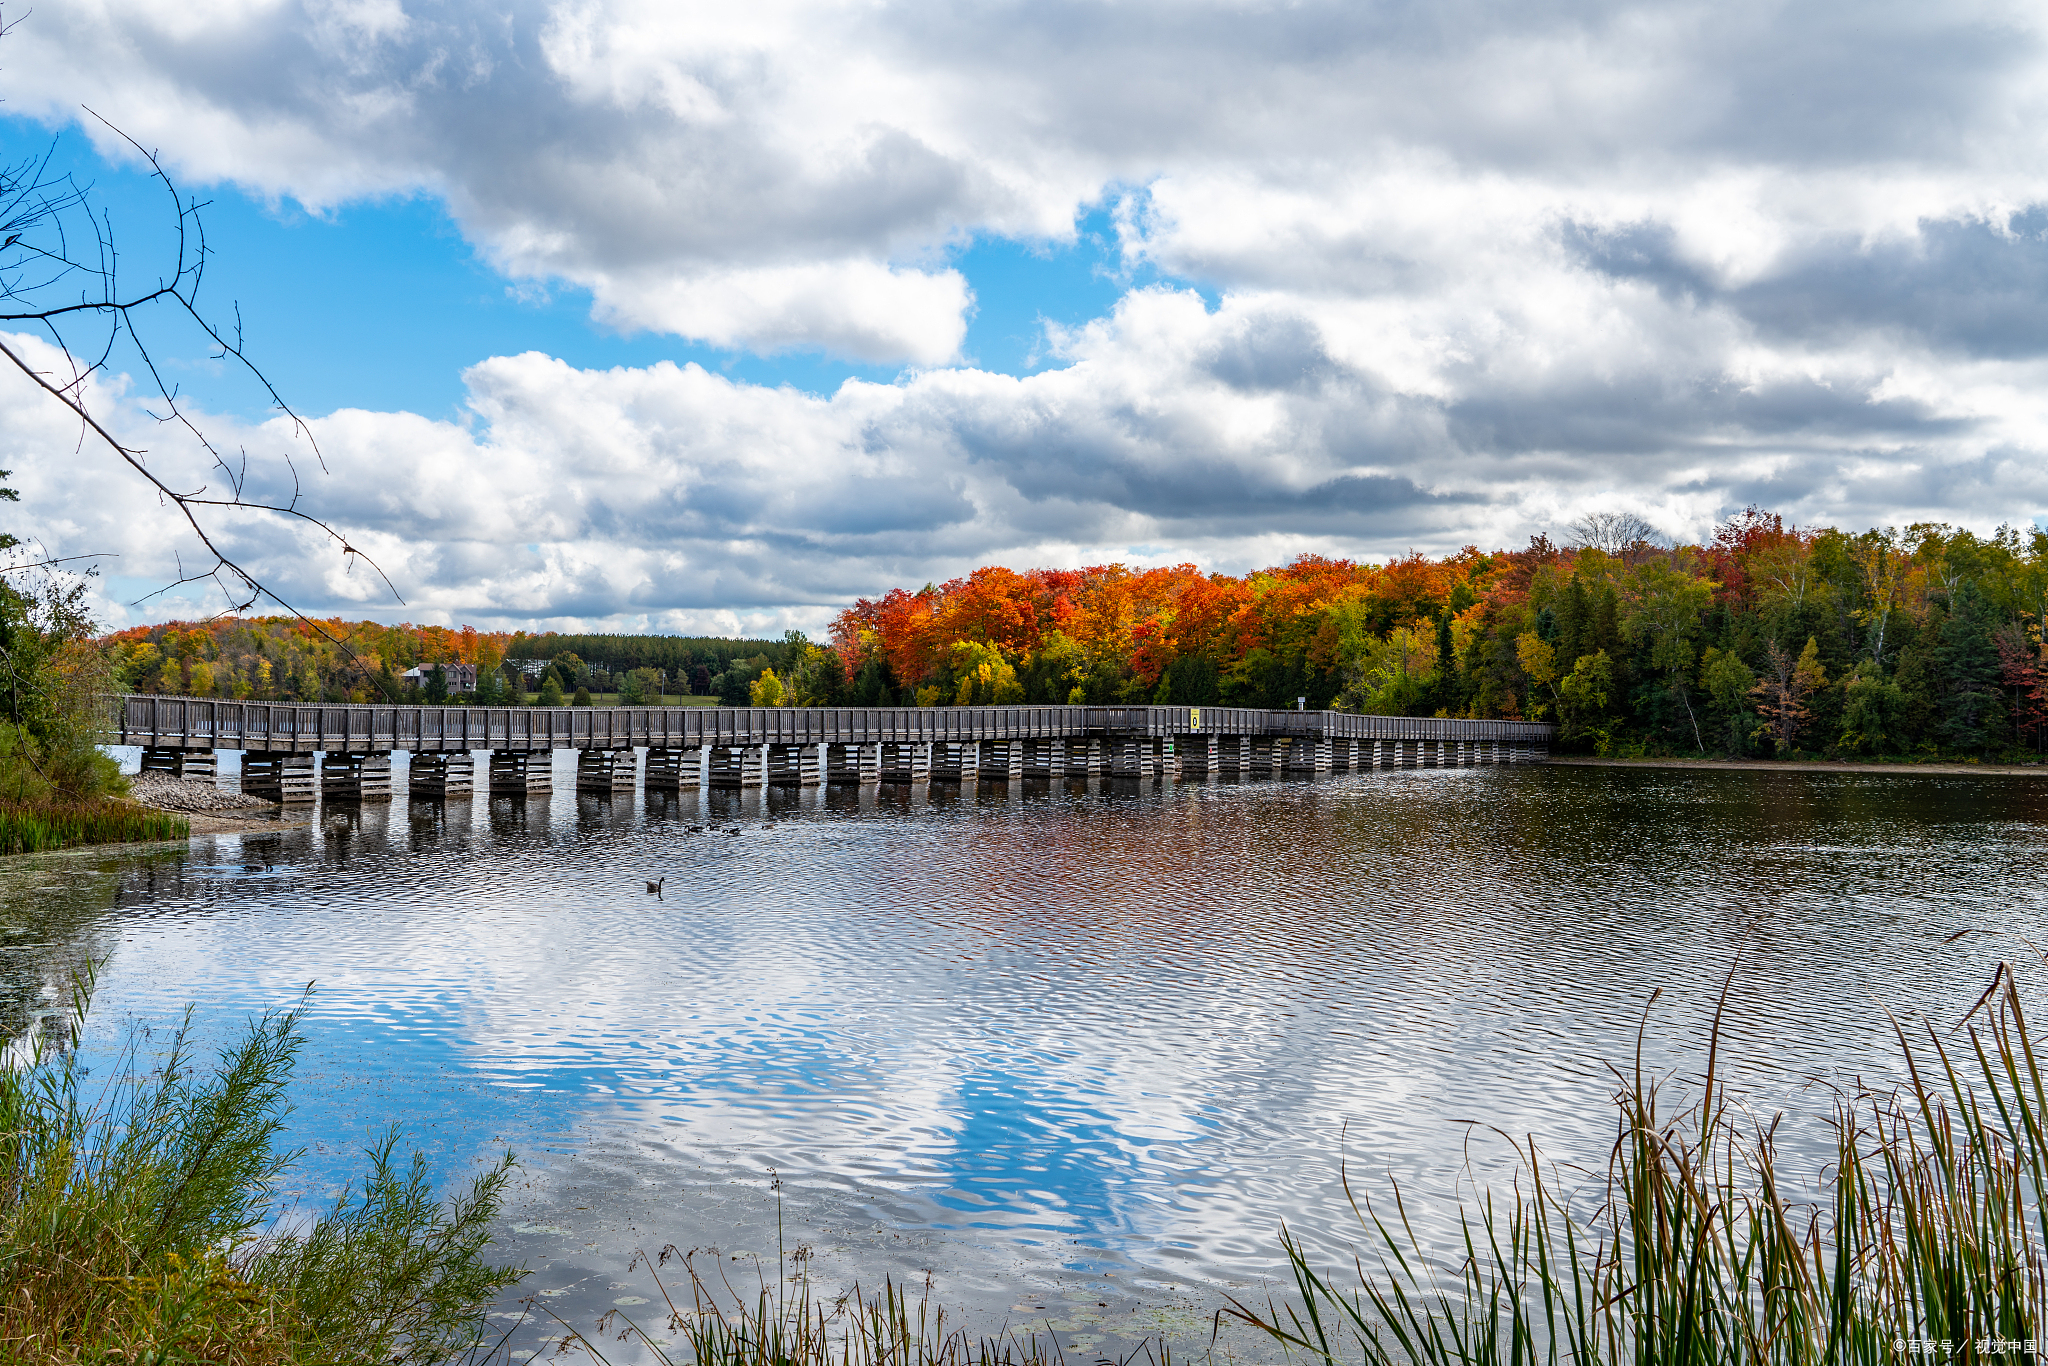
141	1224
1927	1227
30	828
611	699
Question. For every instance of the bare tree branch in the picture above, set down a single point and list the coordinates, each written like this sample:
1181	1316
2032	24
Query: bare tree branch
41	217
1624	535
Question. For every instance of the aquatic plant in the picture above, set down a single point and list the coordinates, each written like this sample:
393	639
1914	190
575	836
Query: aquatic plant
1926	1238
789	1323
32	828
143	1224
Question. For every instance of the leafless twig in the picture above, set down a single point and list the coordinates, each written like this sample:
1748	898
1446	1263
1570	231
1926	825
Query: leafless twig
67	283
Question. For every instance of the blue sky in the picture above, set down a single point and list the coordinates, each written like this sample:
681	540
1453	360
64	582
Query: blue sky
1341	277
382	304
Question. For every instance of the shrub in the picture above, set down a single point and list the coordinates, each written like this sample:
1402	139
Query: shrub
142	1225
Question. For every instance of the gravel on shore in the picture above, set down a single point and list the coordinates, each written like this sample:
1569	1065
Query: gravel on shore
167	793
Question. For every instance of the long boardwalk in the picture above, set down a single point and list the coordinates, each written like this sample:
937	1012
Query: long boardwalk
730	747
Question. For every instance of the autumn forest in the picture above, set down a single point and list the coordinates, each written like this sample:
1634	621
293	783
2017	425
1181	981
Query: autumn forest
1765	639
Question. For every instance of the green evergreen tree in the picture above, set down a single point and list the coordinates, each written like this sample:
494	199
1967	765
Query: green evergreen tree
872	686
1967	657
1574	624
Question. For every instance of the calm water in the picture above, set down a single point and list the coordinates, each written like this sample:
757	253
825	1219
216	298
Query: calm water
1075	1054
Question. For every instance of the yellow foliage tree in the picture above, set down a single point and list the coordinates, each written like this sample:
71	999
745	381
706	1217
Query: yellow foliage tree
767	691
986	679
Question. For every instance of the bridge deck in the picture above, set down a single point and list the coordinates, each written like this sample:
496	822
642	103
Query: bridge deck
282	727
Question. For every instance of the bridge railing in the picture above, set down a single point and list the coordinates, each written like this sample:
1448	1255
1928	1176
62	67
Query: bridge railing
272	727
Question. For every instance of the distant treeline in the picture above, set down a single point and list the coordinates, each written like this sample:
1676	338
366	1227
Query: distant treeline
1765	638
285	659
695	659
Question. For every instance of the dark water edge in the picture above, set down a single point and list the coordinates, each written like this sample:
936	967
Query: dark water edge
1074	1054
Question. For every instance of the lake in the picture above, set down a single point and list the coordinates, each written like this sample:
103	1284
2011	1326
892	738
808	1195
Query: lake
1074	1054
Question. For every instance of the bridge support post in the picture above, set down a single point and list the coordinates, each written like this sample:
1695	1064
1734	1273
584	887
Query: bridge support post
842	763
735	766
675	770
949	760
1036	758
1260	761
356	777
1084	759
1308	758
853	763
1194	755
183	763
791	765
1136	757
284	778
442	774
516	772
998	761
605	771
906	761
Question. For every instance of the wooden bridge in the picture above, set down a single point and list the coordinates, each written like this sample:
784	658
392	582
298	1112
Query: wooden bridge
692	747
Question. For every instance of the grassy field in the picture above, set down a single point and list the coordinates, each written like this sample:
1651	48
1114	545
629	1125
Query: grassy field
611	699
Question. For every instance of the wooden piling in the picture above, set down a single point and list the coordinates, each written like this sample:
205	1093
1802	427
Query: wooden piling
674	770
517	772
284	778
201	764
602	772
356	777
442	774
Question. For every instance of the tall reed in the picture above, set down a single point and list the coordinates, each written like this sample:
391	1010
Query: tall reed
1925	1239
787	1323
142	1224
32	828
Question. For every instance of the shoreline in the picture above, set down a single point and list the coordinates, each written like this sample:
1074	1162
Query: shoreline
210	809
256	822
1944	769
